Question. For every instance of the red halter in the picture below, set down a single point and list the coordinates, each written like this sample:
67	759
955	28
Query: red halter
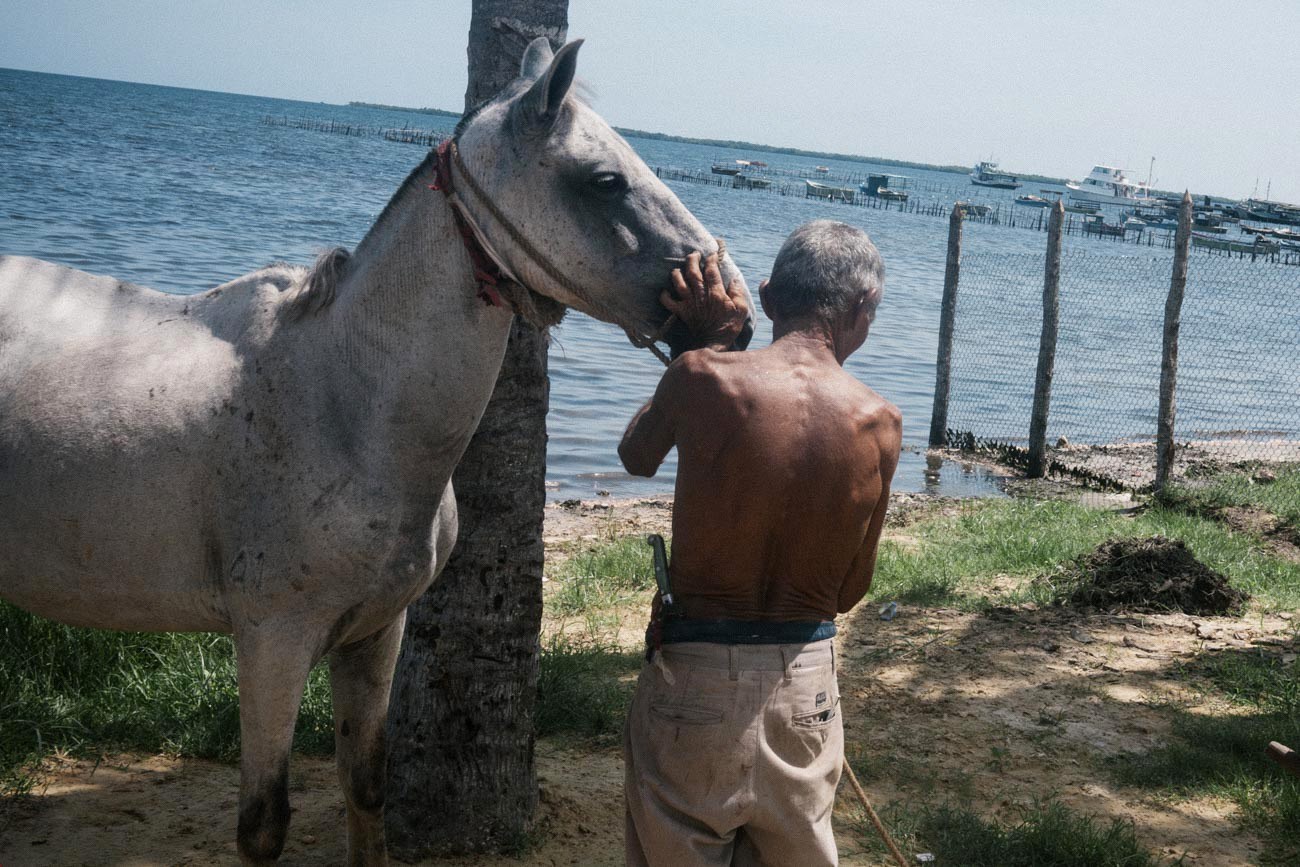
486	271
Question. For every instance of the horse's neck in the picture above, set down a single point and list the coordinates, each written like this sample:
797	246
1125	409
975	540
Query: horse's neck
419	352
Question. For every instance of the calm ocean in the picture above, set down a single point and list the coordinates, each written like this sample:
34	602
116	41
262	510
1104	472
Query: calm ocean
184	189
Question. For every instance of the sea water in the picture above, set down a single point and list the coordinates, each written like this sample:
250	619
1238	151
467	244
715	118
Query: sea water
183	189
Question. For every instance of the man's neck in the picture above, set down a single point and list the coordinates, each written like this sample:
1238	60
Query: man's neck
814	336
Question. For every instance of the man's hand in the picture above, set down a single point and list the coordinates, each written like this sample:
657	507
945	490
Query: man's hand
713	314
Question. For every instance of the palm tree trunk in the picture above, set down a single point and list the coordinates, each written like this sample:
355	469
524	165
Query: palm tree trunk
461	776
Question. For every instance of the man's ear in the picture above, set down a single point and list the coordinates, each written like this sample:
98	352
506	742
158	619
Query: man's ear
862	313
762	299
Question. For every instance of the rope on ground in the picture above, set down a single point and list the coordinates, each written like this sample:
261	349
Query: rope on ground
875	820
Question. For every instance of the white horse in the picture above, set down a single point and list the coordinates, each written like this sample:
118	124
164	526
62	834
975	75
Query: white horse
272	458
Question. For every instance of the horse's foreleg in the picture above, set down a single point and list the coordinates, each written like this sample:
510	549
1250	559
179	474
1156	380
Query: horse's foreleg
360	676
273	670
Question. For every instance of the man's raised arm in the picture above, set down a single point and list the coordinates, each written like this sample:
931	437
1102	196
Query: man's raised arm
650	435
714	315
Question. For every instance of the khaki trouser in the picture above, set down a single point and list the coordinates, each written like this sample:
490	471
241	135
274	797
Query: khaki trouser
732	756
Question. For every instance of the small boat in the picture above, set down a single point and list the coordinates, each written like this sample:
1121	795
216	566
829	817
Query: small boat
814	190
1054	196
888	187
1257	247
822	170
726	168
1095	224
1133	224
970	209
987	174
749	182
1265	211
1107	185
1289	235
1033	202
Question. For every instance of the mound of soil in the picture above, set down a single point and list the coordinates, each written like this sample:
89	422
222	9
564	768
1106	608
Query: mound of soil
1154	574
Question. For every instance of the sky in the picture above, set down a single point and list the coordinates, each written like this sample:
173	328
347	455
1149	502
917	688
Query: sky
1050	88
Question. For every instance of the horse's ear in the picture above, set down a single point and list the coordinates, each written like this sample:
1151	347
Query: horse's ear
538	108
537	58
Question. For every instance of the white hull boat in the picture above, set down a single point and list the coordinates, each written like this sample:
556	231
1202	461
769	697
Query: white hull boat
1107	185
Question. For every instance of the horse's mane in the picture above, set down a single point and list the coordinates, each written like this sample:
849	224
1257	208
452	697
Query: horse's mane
319	286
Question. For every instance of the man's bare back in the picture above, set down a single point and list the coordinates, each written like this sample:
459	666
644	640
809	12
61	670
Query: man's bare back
734	741
784	466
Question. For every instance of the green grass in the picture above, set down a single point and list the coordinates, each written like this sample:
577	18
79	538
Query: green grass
606	575
1281	497
584	689
1222	754
1048	834
1011	551
88	691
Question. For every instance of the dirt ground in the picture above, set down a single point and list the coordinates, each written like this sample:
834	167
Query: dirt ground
998	707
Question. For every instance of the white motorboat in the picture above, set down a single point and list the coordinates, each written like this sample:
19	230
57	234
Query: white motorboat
987	174
1107	185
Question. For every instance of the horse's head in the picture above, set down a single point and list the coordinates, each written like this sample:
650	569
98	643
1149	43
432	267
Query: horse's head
566	202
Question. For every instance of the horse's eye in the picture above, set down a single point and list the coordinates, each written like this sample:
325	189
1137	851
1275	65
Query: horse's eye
608	183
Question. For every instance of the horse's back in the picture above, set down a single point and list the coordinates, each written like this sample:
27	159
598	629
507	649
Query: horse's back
115	406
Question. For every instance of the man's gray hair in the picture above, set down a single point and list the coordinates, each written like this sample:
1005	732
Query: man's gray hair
822	269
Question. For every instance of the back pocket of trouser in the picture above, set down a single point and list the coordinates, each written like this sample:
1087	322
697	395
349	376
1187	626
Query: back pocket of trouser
816	719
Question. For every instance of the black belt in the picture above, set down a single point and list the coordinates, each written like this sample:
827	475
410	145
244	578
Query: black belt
676	630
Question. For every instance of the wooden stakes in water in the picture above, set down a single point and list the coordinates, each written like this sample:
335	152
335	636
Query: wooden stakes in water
947	323
1169	351
1046	346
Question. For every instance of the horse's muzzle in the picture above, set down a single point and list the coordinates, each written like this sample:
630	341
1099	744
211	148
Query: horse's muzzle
746	334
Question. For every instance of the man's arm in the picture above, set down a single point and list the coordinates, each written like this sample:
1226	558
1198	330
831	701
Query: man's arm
647	440
858	580
714	314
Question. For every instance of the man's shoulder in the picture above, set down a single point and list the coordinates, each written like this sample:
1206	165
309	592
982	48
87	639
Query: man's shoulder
699	368
876	416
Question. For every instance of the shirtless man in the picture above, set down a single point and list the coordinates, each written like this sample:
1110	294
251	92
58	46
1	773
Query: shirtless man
734	742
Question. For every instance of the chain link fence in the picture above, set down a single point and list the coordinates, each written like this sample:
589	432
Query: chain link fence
1238	383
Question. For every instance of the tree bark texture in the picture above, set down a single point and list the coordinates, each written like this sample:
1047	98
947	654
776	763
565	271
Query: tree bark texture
461	774
1046	347
1169	348
947	324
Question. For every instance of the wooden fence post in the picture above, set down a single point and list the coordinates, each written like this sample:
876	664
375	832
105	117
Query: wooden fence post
947	321
1169	353
1046	346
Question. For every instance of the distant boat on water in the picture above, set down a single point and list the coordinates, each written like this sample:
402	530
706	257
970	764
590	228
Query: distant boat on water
987	174
1107	185
1256	246
1033	202
892	188
1265	211
814	190
735	167
1289	235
